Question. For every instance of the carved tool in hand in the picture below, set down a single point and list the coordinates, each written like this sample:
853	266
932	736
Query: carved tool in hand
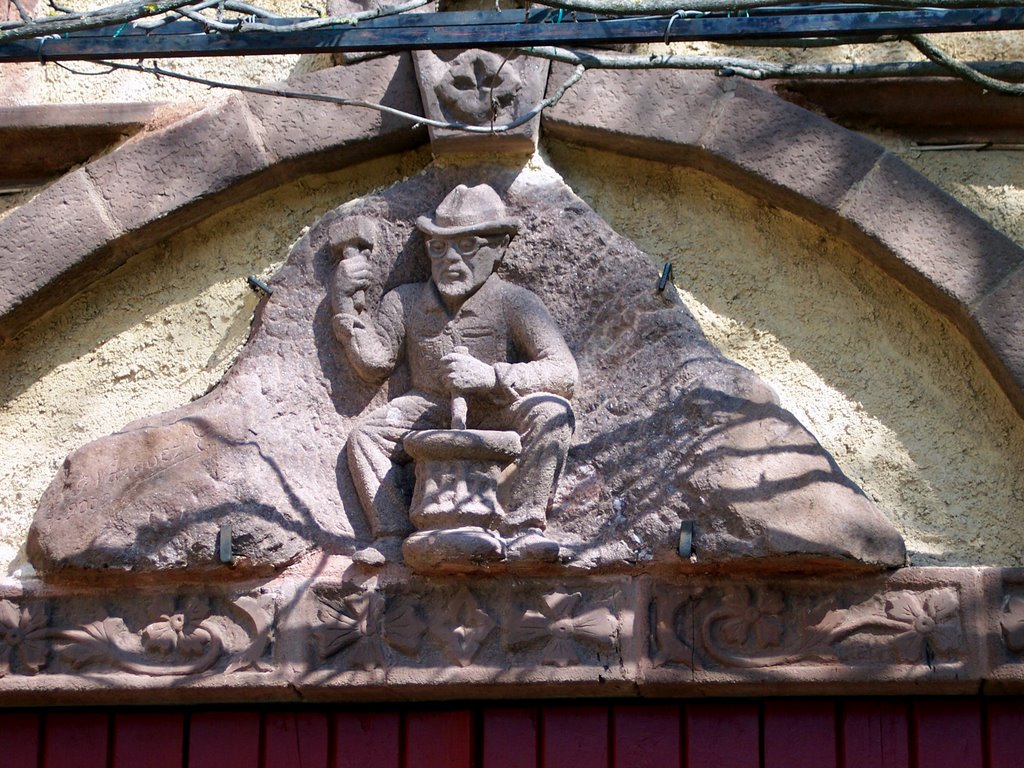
358	232
460	408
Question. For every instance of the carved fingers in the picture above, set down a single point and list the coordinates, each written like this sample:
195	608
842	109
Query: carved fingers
354	273
467	374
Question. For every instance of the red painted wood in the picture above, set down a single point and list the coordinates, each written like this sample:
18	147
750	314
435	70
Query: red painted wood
799	734
439	739
722	735
875	734
295	740
510	737
19	739
75	740
367	740
646	736
574	737
1005	733
228	739
152	739
948	733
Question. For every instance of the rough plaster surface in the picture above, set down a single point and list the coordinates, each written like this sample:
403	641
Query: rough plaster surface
894	392
157	333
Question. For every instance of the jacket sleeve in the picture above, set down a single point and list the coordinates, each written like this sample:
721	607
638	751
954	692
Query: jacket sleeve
544	363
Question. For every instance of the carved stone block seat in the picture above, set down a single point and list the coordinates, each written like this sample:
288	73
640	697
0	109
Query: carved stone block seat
456	506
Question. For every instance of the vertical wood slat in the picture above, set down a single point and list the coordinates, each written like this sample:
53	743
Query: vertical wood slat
646	736
367	740
75	740
19	739
948	733
510	737
799	734
875	734
152	739
439	739
228	739
1005	733
574	736
722	735
295	740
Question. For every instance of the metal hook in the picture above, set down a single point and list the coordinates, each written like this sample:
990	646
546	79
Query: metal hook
666	275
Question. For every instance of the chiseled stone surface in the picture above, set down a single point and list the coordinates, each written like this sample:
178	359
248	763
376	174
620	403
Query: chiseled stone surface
669	434
385	634
480	88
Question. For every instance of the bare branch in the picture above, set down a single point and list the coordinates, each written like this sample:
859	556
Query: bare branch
757	69
121	13
22	11
242	26
964	70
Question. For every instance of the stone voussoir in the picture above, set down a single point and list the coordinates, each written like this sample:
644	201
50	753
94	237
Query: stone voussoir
45	247
165	172
653	115
786	150
326	136
1001	320
943	252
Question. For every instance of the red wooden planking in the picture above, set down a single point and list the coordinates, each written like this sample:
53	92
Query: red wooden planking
574	736
1005	732
75	740
152	739
367	740
228	739
875	734
948	733
19	739
799	733
722	735
295	740
439	739
646	736
510	737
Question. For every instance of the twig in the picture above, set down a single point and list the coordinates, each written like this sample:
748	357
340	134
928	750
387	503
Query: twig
22	11
757	69
964	70
242	26
102	17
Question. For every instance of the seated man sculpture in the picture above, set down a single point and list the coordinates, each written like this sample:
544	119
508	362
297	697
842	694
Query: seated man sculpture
481	353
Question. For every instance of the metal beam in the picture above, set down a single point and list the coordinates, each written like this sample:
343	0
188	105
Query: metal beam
492	29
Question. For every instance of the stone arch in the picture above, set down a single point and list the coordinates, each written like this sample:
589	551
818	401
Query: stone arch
88	222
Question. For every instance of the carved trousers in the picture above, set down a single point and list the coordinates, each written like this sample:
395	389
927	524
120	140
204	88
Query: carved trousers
376	457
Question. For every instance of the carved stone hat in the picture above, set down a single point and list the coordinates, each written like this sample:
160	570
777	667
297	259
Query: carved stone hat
467	210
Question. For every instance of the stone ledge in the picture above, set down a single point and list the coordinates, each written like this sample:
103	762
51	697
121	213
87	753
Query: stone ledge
161	182
803	163
364	635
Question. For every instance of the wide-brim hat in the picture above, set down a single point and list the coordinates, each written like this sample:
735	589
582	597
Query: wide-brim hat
468	210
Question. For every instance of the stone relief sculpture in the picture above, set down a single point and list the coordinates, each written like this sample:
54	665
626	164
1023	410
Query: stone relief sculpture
482	354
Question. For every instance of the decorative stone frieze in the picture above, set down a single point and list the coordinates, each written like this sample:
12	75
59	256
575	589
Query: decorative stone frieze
397	634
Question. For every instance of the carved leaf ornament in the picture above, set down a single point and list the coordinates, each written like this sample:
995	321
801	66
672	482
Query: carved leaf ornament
23	636
559	623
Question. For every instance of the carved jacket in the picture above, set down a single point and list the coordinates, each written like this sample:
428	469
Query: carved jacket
501	324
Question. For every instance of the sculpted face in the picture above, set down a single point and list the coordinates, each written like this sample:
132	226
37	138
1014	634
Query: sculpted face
460	265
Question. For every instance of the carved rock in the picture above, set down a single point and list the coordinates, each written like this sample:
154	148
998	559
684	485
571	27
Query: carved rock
480	88
668	431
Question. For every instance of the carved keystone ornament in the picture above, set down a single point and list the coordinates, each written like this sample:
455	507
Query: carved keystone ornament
469	371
